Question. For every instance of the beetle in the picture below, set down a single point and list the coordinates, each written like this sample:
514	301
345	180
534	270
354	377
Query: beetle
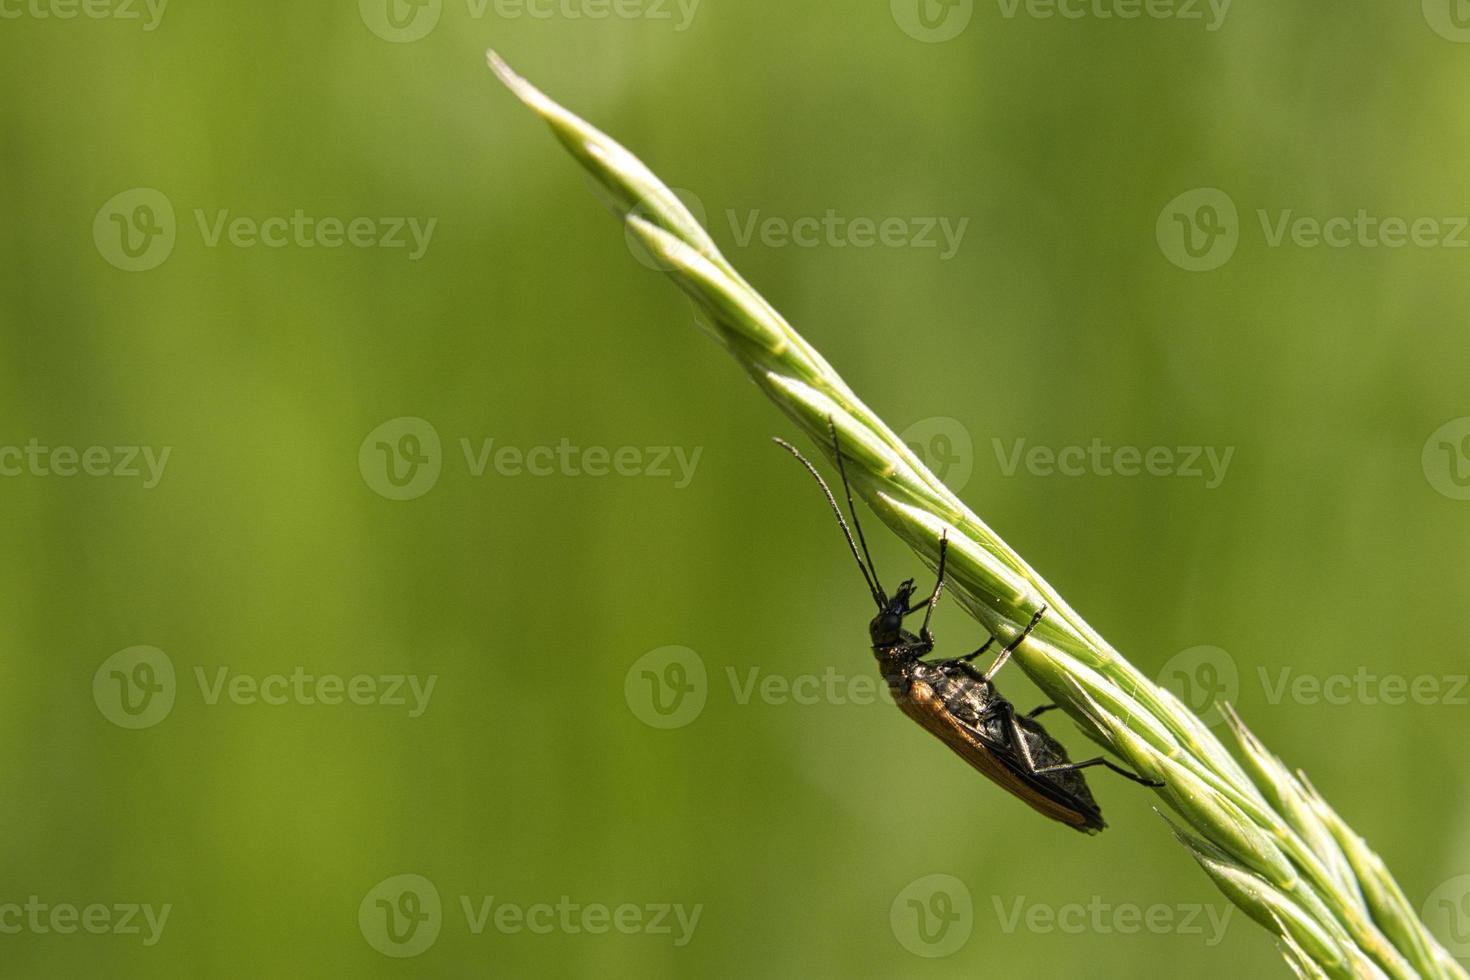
956	702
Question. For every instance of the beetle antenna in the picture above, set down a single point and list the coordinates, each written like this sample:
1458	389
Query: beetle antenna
877	592
847	489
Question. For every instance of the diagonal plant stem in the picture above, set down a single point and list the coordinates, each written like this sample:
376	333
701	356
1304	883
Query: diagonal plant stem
1263	834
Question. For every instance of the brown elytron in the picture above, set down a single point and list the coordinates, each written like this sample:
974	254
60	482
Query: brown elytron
957	703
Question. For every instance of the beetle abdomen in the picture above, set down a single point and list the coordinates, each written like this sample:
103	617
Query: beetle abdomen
969	716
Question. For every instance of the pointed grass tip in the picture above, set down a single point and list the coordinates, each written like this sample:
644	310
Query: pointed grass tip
521	88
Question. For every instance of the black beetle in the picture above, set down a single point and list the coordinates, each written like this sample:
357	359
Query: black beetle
958	704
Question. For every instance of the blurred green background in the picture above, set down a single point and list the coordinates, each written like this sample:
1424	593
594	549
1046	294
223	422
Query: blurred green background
541	605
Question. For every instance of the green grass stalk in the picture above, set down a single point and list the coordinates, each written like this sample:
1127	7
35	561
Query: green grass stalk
1264	836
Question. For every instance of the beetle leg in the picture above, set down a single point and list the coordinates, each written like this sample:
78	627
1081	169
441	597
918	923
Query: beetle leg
1000	661
933	599
1007	711
1099	761
962	663
1004	654
971	656
1041	709
1015	731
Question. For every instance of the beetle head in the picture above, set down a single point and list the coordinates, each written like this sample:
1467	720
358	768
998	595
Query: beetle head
886	629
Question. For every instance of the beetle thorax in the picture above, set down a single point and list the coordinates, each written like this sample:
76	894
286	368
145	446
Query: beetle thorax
896	664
